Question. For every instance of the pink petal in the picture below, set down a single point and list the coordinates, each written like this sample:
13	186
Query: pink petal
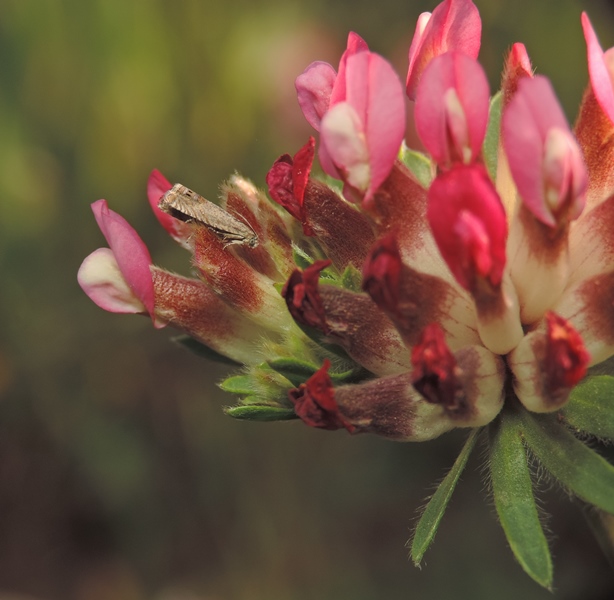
528	126
452	131
600	76
517	66
454	25
376	93
157	186
344	138
469	225
131	254
326	161
518	59
355	45
100	278
418	39
313	87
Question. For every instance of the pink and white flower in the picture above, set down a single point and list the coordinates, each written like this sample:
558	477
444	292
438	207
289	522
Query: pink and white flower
469	287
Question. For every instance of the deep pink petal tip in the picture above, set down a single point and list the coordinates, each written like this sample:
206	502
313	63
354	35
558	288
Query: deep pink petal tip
130	252
454	25
600	76
452	104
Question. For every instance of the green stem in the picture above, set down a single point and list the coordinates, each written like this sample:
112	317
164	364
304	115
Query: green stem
602	526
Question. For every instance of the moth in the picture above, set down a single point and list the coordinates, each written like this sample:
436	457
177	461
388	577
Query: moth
186	205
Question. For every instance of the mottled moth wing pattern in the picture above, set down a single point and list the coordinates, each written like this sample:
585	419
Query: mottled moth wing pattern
186	205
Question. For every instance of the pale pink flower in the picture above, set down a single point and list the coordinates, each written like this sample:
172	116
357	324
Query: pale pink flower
454	25
467	287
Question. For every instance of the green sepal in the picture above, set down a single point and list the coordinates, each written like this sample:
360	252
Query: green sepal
491	141
260	412
238	384
514	500
298	371
351	279
262	382
589	409
420	165
201	350
433	513
301	259
581	470
318	338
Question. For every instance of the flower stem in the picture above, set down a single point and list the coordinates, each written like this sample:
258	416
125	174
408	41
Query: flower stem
602	526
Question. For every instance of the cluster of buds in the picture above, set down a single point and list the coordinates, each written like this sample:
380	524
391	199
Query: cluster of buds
468	284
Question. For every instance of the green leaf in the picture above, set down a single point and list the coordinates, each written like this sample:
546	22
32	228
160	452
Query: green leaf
301	259
491	141
602	526
256	412
261	382
433	513
294	370
351	279
350	376
515	502
298	371
589	409
238	384
201	350
419	164
319	339
573	463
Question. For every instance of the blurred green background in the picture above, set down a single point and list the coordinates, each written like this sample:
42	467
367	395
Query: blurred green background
120	477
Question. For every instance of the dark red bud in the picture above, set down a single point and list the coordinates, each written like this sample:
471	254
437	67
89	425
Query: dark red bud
281	188
314	402
287	180
566	356
302	296
382	272
437	375
301	169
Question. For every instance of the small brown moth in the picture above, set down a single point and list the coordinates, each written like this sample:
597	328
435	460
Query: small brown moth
186	205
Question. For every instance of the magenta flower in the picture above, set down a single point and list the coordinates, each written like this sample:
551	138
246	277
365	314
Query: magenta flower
454	25
452	109
361	118
467	287
118	279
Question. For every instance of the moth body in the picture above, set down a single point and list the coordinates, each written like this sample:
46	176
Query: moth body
186	205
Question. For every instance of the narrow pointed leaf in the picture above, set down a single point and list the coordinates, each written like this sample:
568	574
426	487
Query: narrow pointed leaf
294	370
298	371
301	259
433	513
573	463
589	409
491	141
201	350
420	166
238	384
351	279
602	526
255	412
515	502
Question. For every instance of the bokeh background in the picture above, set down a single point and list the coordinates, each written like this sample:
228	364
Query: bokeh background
120	477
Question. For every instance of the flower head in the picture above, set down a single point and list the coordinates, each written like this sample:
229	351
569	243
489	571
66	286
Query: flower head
467	287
